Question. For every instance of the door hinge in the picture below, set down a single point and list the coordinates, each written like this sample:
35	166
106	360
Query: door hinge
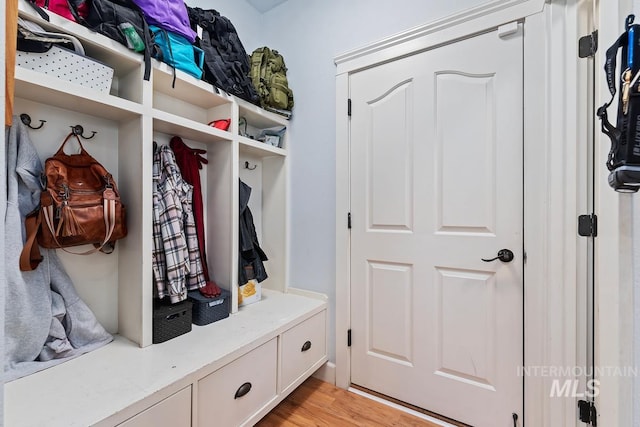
588	45
588	225
587	412
349	107
349	338
349	220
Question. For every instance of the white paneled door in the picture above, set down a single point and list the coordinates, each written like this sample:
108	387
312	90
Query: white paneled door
436	186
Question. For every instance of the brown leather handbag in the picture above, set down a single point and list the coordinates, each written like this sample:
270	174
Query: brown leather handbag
80	205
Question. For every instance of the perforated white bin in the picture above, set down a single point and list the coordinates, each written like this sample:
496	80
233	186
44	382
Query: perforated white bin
70	66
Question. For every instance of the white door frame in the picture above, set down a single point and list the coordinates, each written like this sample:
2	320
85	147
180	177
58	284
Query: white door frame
555	129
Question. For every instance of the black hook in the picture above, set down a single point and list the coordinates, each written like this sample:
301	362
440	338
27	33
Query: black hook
629	21
79	131
26	119
246	166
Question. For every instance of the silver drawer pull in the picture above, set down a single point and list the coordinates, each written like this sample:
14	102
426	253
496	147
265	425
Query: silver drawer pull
242	390
306	346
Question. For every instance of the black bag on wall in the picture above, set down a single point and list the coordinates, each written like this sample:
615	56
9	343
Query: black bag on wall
624	157
226	63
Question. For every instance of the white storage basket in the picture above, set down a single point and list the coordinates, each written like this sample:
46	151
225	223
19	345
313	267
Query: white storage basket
70	66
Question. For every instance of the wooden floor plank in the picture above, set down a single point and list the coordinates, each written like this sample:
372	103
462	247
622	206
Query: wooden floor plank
318	404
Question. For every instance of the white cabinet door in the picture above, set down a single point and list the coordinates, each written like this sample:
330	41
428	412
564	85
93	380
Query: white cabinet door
174	411
302	347
233	394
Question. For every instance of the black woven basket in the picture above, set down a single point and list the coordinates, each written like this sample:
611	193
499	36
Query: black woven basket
208	310
171	320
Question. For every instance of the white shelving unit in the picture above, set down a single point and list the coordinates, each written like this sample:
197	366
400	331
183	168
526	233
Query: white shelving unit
128	380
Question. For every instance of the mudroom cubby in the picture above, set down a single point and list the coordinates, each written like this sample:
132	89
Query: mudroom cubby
188	98
131	380
265	172
128	66
253	121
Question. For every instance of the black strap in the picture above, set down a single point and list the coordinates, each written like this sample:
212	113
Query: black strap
612	132
148	43
173	61
74	12
610	66
606	127
38	9
612	56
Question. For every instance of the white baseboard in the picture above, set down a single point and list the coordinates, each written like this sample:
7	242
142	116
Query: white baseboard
326	373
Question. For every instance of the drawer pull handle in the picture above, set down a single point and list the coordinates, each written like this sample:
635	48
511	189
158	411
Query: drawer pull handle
242	390
306	346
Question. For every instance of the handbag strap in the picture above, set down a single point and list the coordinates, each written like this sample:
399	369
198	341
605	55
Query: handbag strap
109	211
61	152
30	256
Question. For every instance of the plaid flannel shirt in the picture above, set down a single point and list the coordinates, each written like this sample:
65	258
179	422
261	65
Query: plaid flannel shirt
177	266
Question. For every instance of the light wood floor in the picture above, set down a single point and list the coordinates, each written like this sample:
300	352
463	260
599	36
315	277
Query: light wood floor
317	403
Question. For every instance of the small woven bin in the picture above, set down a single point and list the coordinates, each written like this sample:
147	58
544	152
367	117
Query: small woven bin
171	320
208	310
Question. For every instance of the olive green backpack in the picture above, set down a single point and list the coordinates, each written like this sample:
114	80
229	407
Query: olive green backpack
269	76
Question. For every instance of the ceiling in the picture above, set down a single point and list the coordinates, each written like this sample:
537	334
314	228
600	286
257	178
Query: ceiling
264	5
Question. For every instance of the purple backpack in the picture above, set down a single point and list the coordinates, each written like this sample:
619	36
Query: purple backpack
170	15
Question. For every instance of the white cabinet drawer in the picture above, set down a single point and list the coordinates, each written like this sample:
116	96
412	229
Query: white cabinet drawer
302	346
174	411
221	401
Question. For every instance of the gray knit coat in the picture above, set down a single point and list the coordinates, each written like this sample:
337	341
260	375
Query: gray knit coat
46	322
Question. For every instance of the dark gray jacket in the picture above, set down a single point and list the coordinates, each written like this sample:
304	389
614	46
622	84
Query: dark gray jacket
251	255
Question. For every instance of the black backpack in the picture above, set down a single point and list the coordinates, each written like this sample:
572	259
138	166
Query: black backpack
226	63
105	17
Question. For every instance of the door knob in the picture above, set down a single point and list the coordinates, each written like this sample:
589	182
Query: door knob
504	255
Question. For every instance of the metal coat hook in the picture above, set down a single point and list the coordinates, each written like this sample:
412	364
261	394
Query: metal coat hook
79	131
26	119
246	166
